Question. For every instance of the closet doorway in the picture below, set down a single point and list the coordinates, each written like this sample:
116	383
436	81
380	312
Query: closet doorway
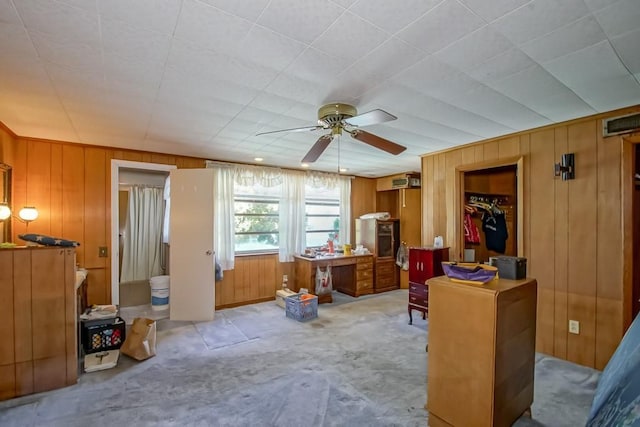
491	210
125	174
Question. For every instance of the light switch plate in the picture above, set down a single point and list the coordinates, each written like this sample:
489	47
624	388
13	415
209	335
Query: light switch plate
574	327
102	251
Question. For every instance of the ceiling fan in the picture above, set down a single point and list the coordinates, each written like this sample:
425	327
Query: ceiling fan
344	117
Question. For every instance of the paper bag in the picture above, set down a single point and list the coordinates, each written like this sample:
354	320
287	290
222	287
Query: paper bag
141	339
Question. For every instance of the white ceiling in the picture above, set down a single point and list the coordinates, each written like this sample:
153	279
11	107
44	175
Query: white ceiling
202	77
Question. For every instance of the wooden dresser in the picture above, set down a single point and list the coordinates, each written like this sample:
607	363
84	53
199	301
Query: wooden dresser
37	320
481	351
424	263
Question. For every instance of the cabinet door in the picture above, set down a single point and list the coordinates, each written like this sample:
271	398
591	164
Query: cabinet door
414	265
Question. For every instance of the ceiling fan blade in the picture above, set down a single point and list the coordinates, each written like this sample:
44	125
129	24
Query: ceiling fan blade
370	118
318	148
378	142
304	129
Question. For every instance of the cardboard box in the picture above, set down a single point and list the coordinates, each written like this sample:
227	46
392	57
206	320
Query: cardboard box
281	294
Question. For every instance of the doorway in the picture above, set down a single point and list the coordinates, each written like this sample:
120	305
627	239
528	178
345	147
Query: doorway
490	210
128	173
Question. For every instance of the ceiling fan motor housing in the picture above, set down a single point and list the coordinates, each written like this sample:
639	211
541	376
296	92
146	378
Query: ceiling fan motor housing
334	114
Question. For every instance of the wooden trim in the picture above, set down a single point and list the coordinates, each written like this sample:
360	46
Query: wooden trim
241	303
628	189
517	161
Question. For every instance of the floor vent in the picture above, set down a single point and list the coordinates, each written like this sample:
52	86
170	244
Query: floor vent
618	125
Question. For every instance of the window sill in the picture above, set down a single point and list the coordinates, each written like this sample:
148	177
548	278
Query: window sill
257	253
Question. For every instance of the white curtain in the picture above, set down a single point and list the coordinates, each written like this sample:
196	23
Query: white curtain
141	256
167	209
292	216
344	183
223	216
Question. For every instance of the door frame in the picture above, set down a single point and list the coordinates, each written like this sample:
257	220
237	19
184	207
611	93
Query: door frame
628	189
518	162
116	165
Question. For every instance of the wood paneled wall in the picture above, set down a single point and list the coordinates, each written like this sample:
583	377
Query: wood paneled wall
572	230
70	186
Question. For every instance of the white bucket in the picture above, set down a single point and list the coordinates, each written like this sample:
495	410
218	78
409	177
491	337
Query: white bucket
159	292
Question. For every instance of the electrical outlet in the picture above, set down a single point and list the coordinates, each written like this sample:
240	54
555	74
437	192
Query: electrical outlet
102	251
574	327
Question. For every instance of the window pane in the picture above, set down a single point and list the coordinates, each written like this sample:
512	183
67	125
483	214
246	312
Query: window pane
256	242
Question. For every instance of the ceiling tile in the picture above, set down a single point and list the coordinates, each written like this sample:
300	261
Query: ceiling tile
493	105
273	103
60	22
511	62
134	43
15	43
8	13
349	38
265	47
156	15
478	47
538	18
302	20
388	59
211	28
594	5
316	66
590	65
434	78
491	10
582	33
344	3
610	93
392	16
441	26
70	53
626	46
544	94
249	10
433	130
291	87
619	17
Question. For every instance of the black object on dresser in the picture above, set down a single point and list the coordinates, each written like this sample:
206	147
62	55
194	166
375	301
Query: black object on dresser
424	263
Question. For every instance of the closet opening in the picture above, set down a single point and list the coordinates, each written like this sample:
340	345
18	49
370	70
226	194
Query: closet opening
491	207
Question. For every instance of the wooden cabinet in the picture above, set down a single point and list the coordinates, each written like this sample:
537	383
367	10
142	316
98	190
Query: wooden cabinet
481	351
364	276
381	237
424	263
37	320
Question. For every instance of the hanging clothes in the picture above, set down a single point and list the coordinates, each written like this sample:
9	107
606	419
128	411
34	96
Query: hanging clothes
471	232
495	232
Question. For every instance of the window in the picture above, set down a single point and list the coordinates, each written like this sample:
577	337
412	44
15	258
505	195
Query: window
322	215
256	218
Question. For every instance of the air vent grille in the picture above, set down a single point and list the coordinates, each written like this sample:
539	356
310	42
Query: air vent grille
619	125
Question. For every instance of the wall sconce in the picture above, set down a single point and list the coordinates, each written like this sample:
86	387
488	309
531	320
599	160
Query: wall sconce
28	214
566	167
5	211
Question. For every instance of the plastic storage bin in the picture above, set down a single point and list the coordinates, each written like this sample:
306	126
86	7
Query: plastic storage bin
301	310
103	334
511	267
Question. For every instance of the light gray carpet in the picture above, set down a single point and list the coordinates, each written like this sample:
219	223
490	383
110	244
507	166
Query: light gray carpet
358	364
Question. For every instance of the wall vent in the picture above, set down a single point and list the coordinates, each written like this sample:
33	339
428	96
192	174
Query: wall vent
619	125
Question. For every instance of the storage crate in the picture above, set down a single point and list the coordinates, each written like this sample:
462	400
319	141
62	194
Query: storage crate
301	310
103	334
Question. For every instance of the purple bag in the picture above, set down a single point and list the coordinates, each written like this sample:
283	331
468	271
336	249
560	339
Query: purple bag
473	273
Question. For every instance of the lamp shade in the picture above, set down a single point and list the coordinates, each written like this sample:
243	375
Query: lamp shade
5	211
28	213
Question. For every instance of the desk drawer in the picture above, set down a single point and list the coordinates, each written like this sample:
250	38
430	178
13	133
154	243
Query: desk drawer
418	300
387	268
364	274
418	289
363	285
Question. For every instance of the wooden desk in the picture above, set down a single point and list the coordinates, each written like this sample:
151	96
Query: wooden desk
351	274
481	351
